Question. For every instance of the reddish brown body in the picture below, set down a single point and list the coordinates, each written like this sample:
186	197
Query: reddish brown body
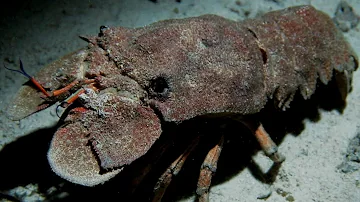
182	69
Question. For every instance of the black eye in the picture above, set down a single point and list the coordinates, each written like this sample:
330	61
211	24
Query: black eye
159	88
102	29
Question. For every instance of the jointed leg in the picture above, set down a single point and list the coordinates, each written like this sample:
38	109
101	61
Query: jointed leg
265	141
208	168
268	145
171	171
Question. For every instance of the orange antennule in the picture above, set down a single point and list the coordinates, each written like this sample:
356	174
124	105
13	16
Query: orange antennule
75	96
65	89
70	100
69	86
39	86
32	79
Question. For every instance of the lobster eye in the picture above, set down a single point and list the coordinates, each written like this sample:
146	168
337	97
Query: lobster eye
102	29
159	88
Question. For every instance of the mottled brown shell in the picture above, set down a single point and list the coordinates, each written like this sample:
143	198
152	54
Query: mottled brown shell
300	46
185	68
207	65
212	65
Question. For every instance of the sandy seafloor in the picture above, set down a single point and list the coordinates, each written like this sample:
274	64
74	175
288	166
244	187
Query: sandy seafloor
41	31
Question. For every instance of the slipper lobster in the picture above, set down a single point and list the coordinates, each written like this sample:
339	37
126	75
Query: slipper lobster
129	81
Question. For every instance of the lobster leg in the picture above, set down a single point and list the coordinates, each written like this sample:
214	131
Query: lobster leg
172	170
268	145
208	168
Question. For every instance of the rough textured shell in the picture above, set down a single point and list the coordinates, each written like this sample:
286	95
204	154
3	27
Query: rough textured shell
185	68
215	65
301	45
